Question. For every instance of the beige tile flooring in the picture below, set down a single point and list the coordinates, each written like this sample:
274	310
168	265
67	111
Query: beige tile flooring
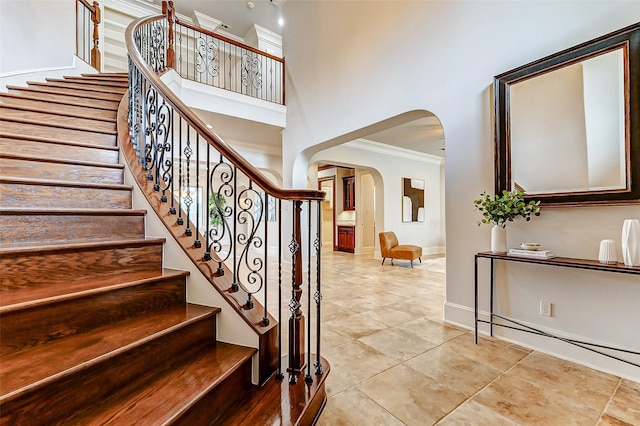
395	362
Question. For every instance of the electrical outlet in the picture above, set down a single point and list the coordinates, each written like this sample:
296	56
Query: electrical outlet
545	308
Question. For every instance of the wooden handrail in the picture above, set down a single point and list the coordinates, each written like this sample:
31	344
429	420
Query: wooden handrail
201	128
88	5
230	41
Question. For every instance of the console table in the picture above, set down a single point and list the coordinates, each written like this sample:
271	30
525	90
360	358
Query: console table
556	261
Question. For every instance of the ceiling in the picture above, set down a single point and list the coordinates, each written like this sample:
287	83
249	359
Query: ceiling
237	16
424	135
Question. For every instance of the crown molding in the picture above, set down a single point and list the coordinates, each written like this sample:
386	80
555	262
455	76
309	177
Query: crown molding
394	151
139	8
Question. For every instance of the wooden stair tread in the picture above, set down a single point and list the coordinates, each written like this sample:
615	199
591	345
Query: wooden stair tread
103	107
36	119
33	368
66	121
172	393
65	183
118	86
109	81
67	92
38	296
45	130
10	155
263	405
107	74
95	89
71	246
9	136
87	212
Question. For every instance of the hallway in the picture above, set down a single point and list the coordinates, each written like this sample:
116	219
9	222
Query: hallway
394	362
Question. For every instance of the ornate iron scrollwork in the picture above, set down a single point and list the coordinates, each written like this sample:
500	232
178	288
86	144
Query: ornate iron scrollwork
251	71
207	57
223	173
157	51
250	213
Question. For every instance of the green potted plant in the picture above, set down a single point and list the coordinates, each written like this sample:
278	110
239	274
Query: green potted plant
500	209
217	203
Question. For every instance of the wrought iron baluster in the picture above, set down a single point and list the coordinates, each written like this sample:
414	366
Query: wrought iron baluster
249	214
180	220
197	243
172	209
188	200
308	377
234	285
207	209
265	209
165	165
280	374
222	212
318	295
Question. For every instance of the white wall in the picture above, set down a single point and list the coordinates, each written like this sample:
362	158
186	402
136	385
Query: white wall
375	62
388	209
44	28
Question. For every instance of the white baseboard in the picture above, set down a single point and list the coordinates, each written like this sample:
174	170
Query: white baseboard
20	78
463	316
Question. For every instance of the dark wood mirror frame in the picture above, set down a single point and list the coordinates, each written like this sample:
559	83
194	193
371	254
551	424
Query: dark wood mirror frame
628	38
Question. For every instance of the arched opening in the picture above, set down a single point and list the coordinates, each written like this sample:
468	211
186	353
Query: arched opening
408	147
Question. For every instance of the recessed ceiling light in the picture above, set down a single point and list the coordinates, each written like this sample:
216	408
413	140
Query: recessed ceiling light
281	21
210	126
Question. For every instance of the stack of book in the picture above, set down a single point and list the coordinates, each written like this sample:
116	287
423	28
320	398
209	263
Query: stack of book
535	254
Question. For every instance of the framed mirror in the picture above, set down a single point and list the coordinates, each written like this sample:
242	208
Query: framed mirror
567	127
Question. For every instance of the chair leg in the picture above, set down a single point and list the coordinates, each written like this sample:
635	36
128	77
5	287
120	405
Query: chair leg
383	259
392	261
412	264
420	259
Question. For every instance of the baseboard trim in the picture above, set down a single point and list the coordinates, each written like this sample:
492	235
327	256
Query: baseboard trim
463	316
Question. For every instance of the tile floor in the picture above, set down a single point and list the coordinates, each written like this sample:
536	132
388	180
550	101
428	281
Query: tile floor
394	362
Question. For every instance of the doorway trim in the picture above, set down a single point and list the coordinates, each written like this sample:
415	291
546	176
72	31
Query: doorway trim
333	210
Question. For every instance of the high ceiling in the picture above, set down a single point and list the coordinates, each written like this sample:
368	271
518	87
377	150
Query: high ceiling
424	135
237	15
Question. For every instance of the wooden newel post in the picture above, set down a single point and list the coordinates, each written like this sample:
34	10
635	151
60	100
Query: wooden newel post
296	321
95	50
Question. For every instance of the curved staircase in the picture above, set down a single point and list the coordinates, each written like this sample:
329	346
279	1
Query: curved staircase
93	329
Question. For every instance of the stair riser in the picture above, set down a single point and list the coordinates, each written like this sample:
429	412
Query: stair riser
60	171
81	92
85	87
57	119
212	405
47	228
54	402
55	268
44	131
53	150
96	103
103	82
24	329
14	195
69	109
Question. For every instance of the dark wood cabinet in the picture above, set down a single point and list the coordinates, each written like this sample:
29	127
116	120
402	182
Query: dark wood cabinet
349	192
347	238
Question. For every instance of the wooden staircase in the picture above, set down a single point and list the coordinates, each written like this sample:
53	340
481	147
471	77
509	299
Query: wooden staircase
93	329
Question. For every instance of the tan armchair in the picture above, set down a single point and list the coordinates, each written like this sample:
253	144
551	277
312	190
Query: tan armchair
389	248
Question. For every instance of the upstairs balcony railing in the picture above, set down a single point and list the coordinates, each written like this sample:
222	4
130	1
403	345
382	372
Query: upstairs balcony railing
259	245
205	57
87	35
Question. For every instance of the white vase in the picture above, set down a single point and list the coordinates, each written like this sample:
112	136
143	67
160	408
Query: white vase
498	239
631	242
607	253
